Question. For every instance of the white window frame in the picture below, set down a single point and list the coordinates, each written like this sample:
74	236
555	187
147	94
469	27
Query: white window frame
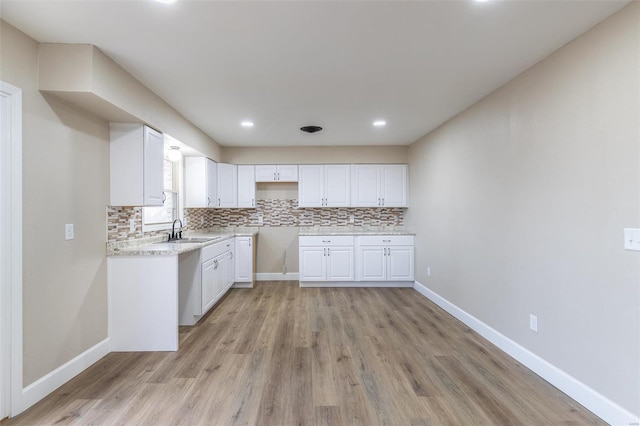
178	187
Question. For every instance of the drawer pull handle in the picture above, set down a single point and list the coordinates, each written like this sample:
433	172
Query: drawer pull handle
326	241
386	241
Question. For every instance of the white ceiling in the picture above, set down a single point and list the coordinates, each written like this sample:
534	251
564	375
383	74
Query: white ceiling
337	64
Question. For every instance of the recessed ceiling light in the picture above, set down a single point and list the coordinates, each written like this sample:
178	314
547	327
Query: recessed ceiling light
379	123
247	124
166	1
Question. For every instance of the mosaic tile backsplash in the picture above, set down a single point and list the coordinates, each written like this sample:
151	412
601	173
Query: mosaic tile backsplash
273	213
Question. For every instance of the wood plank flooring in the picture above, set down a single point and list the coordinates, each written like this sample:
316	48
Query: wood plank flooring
283	355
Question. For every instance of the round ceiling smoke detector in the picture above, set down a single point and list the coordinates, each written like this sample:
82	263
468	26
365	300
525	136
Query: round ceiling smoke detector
311	129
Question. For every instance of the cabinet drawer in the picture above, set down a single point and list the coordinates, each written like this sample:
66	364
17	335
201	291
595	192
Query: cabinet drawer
327	240
385	240
213	250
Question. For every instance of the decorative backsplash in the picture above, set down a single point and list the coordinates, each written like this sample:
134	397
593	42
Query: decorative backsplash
118	224
273	213
287	213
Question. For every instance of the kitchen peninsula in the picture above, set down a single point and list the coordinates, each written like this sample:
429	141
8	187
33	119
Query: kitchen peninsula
156	285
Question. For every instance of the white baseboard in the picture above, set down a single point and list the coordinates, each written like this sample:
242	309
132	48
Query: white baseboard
53	380
368	284
242	285
268	276
595	402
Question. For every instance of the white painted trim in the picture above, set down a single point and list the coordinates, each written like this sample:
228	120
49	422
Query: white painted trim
12	314
376	284
53	380
242	285
595	402
268	276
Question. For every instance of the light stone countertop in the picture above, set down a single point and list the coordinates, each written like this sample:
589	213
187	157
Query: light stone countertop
158	245
354	230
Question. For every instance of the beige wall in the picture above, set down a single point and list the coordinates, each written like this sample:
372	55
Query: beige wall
315	155
65	180
274	241
520	203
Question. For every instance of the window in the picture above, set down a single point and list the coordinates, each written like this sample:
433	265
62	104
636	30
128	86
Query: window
162	217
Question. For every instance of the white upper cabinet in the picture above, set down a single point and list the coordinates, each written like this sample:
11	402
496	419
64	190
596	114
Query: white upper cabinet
201	177
379	185
227	185
394	185
136	165
311	186
277	173
246	186
324	185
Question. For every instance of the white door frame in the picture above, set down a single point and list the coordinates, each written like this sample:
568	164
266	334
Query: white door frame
11	252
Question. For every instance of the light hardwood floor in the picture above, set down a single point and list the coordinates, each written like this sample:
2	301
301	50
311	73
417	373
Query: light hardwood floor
283	355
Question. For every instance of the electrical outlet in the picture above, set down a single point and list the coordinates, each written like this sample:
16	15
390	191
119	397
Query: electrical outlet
428	271
260	221
352	219
68	231
202	221
533	322
132	226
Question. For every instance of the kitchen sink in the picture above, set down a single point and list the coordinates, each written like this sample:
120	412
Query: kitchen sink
189	240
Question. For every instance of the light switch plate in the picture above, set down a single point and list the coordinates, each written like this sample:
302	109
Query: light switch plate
68	231
632	239
533	323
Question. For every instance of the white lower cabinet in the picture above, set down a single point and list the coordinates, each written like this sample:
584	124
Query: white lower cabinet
244	261
143	308
385	258
328	258
205	275
356	261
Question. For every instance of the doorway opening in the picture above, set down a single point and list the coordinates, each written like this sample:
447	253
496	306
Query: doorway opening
10	250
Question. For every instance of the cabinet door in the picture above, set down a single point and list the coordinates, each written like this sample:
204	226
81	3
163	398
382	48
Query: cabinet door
208	283
246	186
394	187
337	185
365	187
371	263
220	276
229	274
287	173
212	183
195	182
312	263
266	173
340	264
243	260
153	166
311	186
400	264
227	185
